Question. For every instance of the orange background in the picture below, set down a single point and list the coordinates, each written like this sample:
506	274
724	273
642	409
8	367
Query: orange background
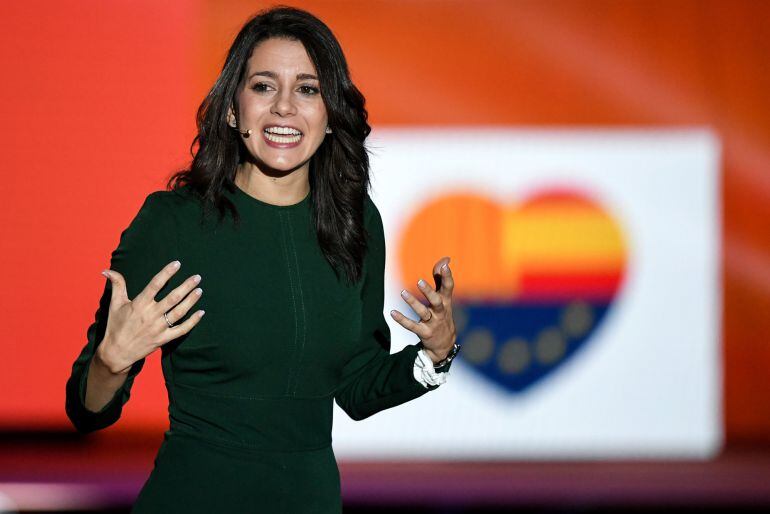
98	102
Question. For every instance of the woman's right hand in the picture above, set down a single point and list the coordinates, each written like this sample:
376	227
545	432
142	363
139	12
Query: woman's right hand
136	328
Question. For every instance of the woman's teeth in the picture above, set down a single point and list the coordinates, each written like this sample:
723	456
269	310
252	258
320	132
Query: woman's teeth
281	138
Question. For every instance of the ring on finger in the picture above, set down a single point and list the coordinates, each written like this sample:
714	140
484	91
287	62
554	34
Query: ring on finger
430	315
165	315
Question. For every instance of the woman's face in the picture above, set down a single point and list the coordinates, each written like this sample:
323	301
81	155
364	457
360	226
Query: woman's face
280	95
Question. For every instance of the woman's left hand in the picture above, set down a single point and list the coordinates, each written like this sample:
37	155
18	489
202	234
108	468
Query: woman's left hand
436	328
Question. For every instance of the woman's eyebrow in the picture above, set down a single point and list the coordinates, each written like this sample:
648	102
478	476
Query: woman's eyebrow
273	75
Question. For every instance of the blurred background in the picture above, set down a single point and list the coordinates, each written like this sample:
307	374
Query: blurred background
98	103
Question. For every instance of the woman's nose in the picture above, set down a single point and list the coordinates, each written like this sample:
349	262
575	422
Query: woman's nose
283	102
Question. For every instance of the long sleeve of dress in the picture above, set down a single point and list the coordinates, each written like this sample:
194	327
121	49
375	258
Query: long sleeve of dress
140	254
374	379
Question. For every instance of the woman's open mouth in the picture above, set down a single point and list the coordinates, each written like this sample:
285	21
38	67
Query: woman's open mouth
281	137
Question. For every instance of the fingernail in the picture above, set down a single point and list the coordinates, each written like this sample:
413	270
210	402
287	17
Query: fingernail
201	313
176	264
445	267
405	293
106	273
421	283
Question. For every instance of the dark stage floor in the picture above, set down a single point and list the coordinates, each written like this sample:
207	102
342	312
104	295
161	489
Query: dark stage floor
53	472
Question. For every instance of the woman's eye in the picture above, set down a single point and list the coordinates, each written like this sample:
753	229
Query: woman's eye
310	90
259	87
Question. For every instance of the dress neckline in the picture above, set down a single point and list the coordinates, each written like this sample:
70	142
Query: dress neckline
246	197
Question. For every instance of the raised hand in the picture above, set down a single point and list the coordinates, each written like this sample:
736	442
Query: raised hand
136	328
436	327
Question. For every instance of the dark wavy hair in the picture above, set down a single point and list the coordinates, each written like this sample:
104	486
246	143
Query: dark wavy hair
339	169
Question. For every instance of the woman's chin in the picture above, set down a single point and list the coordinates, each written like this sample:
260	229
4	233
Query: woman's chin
279	164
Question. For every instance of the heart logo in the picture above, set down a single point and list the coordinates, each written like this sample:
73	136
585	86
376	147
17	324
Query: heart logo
534	281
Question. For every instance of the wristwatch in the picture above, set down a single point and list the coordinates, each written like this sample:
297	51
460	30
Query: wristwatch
443	365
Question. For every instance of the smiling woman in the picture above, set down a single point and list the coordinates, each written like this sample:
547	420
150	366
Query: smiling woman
294	284
280	96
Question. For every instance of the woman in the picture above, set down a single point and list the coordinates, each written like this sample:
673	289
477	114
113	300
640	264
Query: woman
294	289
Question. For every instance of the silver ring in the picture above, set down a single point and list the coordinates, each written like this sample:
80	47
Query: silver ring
165	315
429	317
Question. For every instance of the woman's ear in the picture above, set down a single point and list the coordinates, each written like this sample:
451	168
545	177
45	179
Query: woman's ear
231	117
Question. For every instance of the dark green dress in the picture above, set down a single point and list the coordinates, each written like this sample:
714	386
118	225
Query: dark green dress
251	387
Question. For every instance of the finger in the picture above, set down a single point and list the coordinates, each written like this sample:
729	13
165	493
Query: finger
417	328
435	299
437	275
184	306
439	264
447	281
157	282
118	284
178	294
422	311
179	330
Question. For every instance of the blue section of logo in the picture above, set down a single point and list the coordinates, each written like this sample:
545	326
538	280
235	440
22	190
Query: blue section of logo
517	345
